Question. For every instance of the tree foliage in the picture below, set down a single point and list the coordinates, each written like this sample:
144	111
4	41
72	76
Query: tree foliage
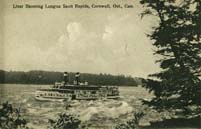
133	123
65	121
10	118
177	40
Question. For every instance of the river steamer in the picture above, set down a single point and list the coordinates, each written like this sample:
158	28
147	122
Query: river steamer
77	91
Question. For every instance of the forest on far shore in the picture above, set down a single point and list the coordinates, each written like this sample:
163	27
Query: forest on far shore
50	77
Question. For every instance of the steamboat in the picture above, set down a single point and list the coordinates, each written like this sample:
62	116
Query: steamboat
64	91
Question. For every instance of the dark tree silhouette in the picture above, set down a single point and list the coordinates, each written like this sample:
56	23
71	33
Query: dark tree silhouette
133	123
177	40
49	77
65	121
10	118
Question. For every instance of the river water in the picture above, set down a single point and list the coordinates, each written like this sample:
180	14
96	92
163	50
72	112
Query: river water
96	112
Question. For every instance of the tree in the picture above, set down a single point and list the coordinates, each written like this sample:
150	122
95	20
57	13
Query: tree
65	121
177	40
10	118
2	76
133	123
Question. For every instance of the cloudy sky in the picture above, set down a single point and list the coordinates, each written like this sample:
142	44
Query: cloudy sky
87	40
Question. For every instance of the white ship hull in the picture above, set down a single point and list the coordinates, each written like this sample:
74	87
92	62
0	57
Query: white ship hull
112	97
52	96
49	99
54	99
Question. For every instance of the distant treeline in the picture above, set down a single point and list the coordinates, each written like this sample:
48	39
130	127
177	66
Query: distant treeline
47	77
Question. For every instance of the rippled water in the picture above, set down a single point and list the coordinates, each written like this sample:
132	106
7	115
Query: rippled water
96	112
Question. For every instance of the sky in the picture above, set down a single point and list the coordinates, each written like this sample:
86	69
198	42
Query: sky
110	41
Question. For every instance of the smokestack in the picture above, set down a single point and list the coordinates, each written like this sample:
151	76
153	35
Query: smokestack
66	78
77	77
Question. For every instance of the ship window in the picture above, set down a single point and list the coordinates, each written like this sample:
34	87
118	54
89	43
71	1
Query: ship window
93	92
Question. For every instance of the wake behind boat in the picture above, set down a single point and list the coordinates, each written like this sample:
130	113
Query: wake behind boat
64	91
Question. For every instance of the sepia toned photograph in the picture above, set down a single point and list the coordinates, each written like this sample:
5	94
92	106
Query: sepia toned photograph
100	64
